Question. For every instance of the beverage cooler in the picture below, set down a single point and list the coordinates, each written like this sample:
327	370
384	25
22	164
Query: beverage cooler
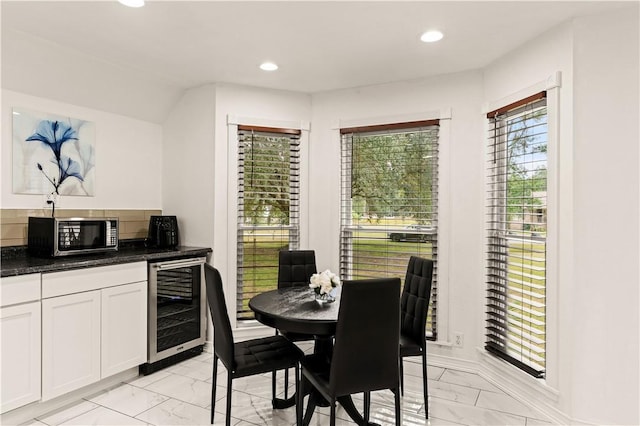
177	312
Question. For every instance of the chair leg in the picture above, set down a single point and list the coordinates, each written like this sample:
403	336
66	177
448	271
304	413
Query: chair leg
367	406
300	401
425	386
286	383
273	384
213	386
332	420
401	376
298	396
229	385
398	411
273	389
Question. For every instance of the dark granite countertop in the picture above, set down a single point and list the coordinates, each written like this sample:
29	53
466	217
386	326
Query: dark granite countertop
16	261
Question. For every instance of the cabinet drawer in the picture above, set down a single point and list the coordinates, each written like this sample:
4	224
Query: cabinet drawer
92	278
19	289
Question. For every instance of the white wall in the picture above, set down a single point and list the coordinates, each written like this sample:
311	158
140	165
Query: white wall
593	294
461	268
532	64
128	158
606	325
188	166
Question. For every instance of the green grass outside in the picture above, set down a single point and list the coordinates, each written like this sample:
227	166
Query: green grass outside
527	264
260	271
261	266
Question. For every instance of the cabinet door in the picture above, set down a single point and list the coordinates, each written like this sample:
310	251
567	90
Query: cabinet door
70	342
124	327
20	331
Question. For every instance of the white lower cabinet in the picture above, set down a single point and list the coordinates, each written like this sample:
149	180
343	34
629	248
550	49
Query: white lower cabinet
70	342
124	327
90	335
20	331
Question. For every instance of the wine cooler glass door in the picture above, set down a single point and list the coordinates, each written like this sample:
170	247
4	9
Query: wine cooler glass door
177	311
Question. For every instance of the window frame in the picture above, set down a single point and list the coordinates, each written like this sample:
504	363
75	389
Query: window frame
559	214
502	293
439	299
226	223
292	229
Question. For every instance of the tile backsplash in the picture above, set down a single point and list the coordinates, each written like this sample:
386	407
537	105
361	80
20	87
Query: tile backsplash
13	222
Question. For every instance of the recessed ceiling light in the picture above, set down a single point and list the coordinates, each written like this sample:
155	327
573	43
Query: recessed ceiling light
132	3
431	36
268	66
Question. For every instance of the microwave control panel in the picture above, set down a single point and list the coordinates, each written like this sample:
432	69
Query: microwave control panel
112	233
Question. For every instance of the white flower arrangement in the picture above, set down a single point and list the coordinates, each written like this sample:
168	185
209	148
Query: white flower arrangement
324	282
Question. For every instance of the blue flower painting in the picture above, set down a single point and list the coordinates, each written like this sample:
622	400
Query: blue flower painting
52	154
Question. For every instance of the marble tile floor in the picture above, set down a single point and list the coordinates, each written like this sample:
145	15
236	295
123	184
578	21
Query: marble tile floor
181	394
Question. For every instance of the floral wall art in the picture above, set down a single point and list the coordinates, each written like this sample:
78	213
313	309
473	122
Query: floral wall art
52	154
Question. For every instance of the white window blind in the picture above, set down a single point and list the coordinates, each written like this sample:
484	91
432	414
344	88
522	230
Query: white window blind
517	234
268	208
389	208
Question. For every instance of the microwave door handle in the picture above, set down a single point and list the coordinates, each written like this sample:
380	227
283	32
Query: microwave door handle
178	264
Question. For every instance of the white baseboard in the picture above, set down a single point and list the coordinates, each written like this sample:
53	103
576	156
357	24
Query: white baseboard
243	333
451	362
533	393
252	332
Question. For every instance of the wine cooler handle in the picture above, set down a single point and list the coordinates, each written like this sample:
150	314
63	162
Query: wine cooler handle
178	264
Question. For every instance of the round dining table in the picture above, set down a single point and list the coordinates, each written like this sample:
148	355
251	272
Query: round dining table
295	310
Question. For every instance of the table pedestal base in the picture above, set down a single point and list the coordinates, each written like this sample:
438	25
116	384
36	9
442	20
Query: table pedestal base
316	400
280	404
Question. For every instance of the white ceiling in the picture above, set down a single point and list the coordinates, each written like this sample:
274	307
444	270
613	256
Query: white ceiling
319	46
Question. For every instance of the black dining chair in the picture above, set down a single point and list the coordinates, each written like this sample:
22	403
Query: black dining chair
414	305
365	355
295	268
241	359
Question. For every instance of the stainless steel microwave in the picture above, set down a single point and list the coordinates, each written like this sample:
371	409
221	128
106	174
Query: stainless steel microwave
52	236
